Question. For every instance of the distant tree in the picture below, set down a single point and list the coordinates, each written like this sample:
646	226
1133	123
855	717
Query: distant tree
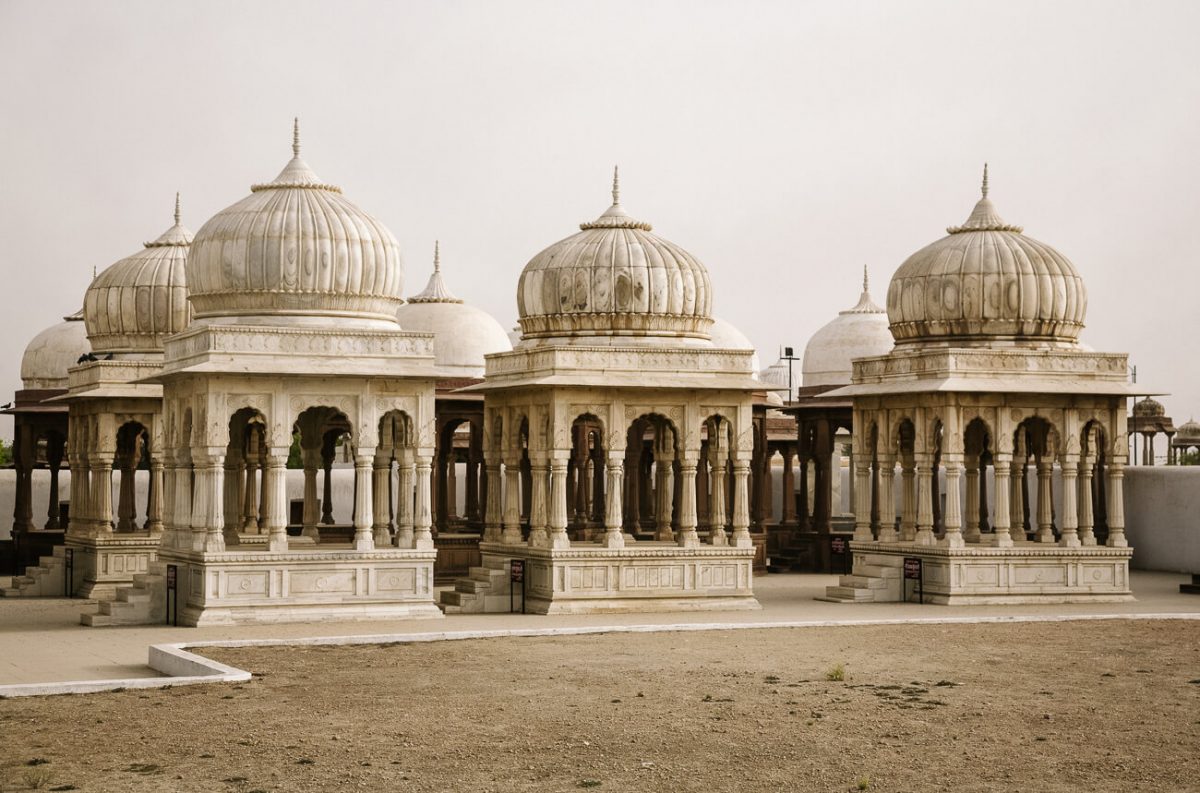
1189	458
6	453
294	458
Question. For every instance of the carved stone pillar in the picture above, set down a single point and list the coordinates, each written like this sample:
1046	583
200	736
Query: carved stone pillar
887	500
971	533
614	506
312	514
493	512
539	537
182	513
406	474
688	538
1087	536
862	502
741	504
1002	468
665	478
558	504
232	497
512	503
101	488
275	505
908	501
328	453
127	494
381	475
924	534
154	508
364	519
212	494
717	511
1016	502
1069	534
54	457
250	496
1045	505
789	487
599	501
423	519
952	520
1116	506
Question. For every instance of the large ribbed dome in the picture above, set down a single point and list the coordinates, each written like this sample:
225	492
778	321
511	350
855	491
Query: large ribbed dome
986	281
614	278
52	352
858	332
137	302
295	247
463	334
727	336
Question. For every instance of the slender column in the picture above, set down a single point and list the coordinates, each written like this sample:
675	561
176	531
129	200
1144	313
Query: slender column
23	458
1116	506
924	534
862	502
212	495
633	495
451	487
78	477
182	514
558	504
250	502
908	502
688	538
717	511
472	502
381	473
803	517
1002	468
1045	505
1016	503
599	501
666	499
168	501
423	519
126	509
102	493
54	454
493	510
328	453
1087	536
231	496
741	504
538	519
199	511
887	500
512	503
1069	535
952	520
154	509
364	519
789	487
405	475
275	504
613	501
972	533
984	524
312	515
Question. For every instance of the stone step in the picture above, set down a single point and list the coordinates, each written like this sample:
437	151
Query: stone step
862	582
853	594
96	620
487	575
448	609
455	598
471	585
133	595
877	571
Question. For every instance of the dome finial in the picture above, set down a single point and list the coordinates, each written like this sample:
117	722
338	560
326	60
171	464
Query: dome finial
296	136
616	186
177	208
866	280
984	189
437	256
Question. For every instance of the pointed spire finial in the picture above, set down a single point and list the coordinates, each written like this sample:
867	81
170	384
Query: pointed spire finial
296	136
616	186
985	184
93	272
437	256
177	208
866	280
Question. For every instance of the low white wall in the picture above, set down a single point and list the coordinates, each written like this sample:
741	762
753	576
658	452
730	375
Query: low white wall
1162	517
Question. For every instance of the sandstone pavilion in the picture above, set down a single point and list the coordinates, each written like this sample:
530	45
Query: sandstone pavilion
988	376
615	363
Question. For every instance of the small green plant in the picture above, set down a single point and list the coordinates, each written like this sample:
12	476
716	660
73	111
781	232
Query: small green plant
836	673
864	783
36	778
588	783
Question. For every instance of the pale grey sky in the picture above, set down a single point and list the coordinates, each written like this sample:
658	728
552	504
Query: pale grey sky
785	144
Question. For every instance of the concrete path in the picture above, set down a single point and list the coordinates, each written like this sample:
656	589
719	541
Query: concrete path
41	640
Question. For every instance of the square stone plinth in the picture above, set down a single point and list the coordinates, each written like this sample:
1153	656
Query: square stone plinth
255	586
644	577
103	563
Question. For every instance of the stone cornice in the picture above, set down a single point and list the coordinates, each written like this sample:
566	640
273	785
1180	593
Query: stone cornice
1015	363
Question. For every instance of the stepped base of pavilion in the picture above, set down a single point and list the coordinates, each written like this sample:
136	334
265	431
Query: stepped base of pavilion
104	563
643	577
978	574
254	586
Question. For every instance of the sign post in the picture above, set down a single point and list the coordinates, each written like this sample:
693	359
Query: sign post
838	546
516	572
69	571
914	571
172	594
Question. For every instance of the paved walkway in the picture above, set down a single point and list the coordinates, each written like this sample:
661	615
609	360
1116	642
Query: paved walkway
42	641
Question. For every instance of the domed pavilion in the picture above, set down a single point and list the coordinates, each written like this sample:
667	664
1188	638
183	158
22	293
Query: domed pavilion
608	422
294	291
989	384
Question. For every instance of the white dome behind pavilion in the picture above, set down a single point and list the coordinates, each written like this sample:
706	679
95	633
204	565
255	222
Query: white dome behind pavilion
463	334
858	332
726	336
52	352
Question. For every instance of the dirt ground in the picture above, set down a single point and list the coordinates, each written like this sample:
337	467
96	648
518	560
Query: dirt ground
1096	706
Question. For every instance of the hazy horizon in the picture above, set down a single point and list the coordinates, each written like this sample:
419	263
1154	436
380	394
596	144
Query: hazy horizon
784	144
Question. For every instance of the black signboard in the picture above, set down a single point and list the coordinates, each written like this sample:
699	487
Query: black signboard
516	574
840	546
172	594
913	571
69	571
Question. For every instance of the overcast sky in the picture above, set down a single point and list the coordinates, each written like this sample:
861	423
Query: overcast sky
784	144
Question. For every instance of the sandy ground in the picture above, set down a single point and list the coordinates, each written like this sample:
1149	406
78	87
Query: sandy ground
1097	706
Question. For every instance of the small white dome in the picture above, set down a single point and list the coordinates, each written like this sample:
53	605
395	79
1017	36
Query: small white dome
858	332
52	352
463	334
726	336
